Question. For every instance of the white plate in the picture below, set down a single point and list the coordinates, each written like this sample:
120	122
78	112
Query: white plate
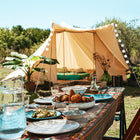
49	127
46	100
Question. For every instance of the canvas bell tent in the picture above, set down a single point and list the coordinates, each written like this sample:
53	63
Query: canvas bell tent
74	48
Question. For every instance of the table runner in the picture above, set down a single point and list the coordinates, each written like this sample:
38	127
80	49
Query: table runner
93	125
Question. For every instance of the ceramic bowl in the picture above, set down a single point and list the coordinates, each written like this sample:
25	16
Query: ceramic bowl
74	114
77	89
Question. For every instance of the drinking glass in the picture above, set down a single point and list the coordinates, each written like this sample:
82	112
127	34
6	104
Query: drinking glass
55	90
12	110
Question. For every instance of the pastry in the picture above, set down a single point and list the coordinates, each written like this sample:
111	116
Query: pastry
71	93
84	99
77	98
64	98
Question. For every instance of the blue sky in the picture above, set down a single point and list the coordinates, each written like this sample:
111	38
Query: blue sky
83	13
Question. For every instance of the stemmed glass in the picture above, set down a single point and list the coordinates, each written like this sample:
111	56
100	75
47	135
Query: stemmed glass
12	110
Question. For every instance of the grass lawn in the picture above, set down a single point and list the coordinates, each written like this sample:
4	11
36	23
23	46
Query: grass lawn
132	104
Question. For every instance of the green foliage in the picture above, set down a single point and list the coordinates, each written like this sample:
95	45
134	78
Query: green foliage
36	35
21	40
106	77
137	72
130	36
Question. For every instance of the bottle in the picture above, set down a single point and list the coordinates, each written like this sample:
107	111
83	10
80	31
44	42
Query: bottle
94	88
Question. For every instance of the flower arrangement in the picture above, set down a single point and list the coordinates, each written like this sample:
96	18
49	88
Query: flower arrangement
105	64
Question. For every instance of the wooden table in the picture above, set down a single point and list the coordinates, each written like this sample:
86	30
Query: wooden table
93	125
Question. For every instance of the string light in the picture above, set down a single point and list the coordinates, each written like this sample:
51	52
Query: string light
122	45
125	56
112	24
47	49
115	31
117	35
119	41
123	51
116	25
127	61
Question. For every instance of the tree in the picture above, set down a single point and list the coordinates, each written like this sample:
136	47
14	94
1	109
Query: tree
36	35
21	40
17	30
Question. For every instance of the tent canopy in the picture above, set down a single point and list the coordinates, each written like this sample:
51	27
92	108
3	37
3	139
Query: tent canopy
74	48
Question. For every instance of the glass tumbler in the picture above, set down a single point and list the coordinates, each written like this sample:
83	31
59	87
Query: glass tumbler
12	110
55	90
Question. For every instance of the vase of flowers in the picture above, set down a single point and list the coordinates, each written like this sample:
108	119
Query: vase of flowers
105	64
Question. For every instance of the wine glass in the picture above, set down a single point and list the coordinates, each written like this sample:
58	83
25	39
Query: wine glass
12	110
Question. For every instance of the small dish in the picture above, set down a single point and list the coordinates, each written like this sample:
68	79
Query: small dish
74	114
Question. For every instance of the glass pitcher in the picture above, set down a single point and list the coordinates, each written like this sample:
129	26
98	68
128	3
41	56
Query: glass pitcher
12	110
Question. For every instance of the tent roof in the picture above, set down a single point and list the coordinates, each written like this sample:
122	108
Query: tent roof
105	34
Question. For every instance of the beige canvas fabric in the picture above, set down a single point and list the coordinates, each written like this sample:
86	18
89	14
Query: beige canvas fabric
74	48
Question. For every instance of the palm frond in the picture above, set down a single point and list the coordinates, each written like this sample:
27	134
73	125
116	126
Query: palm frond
12	59
49	61
19	55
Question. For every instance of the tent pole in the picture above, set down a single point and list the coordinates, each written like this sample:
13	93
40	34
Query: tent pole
63	56
113	52
94	50
50	65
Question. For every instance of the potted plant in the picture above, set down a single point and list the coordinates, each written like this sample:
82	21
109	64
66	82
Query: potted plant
21	61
